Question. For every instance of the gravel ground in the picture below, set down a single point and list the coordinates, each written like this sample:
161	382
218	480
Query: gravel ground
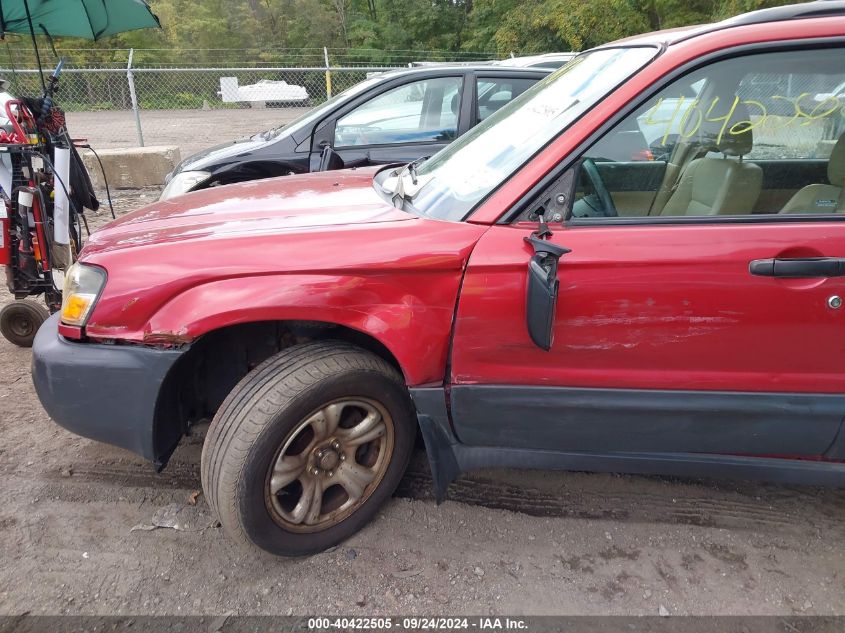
506	543
190	130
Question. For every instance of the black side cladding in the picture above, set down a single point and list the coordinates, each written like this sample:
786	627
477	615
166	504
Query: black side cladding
439	441
646	420
449	457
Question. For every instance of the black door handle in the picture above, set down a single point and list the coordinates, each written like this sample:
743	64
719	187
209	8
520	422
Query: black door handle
798	267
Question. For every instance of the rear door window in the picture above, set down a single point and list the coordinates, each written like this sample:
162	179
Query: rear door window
493	93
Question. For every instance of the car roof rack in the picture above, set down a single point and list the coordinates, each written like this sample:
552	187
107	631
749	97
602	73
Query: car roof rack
817	9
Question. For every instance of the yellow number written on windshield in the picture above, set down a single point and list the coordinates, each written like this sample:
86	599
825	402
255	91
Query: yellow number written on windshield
685	117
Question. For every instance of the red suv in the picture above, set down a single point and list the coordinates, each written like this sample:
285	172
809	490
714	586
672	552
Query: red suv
635	266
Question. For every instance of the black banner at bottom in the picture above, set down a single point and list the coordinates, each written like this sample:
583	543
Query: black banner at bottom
329	624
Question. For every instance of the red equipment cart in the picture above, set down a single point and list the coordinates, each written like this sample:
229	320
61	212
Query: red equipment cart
30	250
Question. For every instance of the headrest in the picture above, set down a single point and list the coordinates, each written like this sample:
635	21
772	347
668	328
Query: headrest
836	165
738	144
453	105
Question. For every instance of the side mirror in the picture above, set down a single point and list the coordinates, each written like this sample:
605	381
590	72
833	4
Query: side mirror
330	160
541	297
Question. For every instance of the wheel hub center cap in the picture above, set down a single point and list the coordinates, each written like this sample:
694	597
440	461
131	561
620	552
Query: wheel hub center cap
327	459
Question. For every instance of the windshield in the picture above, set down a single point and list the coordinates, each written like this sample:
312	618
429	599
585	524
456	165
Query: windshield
453	181
311	115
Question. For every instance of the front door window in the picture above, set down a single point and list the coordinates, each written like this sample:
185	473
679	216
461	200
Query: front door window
754	135
419	112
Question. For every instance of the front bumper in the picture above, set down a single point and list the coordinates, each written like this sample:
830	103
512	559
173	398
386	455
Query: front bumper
104	392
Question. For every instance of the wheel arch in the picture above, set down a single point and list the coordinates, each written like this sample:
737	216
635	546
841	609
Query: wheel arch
404	318
215	362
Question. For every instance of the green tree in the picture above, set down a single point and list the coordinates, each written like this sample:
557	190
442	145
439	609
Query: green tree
535	26
728	8
392	31
562	25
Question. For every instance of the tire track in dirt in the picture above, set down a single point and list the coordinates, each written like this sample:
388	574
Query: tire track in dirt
633	507
707	507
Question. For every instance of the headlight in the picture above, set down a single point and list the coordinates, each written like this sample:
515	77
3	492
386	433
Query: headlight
81	290
183	182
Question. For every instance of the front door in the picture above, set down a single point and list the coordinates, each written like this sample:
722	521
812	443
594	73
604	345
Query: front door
699	307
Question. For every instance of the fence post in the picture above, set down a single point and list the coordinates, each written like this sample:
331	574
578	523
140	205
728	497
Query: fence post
328	74
130	78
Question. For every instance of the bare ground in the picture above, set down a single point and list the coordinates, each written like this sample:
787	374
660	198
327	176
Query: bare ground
190	130
506	543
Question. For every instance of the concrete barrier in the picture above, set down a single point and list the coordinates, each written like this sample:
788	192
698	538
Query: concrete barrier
133	167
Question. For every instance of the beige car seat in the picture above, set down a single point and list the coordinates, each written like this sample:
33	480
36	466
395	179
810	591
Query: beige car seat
724	185
821	198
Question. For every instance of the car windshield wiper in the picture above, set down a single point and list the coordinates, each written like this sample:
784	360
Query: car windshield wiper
412	168
266	135
399	192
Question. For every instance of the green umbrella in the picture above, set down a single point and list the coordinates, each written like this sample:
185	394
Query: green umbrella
89	19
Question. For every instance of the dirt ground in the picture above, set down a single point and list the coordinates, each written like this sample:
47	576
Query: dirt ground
505	543
190	130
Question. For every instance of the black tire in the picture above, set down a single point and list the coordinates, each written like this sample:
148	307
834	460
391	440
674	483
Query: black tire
260	417
20	320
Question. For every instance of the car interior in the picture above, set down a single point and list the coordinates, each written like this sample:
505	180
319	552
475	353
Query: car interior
731	139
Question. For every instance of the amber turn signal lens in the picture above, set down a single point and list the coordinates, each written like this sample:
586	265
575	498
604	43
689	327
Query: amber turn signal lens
75	308
82	286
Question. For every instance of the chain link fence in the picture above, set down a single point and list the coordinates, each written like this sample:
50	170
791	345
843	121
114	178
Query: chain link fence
191	108
129	98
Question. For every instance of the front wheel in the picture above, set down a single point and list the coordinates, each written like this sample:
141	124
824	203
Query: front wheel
307	446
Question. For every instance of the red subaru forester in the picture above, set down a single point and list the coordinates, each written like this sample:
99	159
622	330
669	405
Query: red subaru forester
636	266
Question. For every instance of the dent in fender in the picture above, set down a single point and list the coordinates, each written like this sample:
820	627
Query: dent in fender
411	315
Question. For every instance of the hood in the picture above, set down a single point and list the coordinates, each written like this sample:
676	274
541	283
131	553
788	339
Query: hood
272	206
221	153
